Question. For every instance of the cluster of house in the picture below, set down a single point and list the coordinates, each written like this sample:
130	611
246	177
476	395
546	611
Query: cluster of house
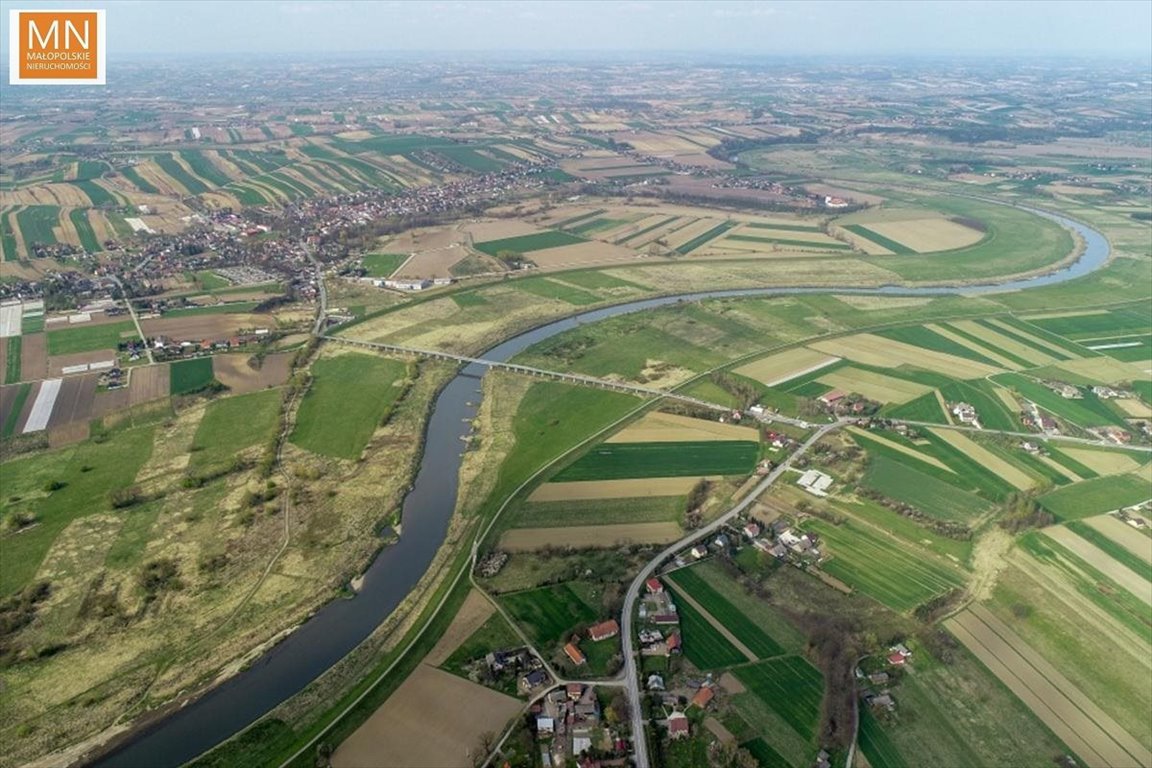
568	724
676	719
965	413
166	347
519	661
782	542
596	633
410	284
113	378
842	403
662	636
1131	515
1036	420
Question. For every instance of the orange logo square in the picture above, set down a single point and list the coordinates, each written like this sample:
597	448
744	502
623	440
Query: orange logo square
64	47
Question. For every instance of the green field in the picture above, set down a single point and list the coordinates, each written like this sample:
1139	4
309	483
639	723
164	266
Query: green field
1097	496
897	248
786	227
597	281
551	289
88	241
614	461
936	498
218	438
1139	351
708	236
876	745
96	193
131	174
559	514
596	225
789	686
190	375
705	647
170	166
8	246
919	336
9	425
348	398
824	246
525	243
88	338
214	309
12	359
994	414
89	471
924	408
1109	323
548	614
1120	554
383	264
209	281
36	224
1012	357
203	167
734	620
894	575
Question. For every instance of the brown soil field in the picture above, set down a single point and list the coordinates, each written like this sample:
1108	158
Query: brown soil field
1123	534
210	326
927	235
989	460
107	402
233	371
484	231
614	489
430	239
34	356
528	539
472	614
782	366
885	353
432	720
1091	733
147	383
68	434
732	684
657	427
656	234
7	400
682	594
581	254
981	349
1103	462
1131	581
74	403
26	410
57	363
433	263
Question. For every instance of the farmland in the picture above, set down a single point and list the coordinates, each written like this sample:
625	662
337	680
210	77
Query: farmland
88	338
903	482
332	421
548	614
745	629
611	461
789	686
704	645
218	442
1096	496
190	375
383	264
526	243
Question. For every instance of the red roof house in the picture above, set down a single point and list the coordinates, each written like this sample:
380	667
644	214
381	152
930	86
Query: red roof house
575	654
604	630
654	586
702	698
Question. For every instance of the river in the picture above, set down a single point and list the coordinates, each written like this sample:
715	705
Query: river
341	625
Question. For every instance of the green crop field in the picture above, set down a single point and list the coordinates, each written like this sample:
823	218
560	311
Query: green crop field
13	418
383	264
897	576
596	225
742	627
789	686
8	246
96	193
550	289
936	498
559	514
190	375
1097	496
247	195
548	614
88	240
89	472
905	528
1110	323
169	165
765	755
919	336
525	243
203	167
708	236
876	745
348	398
614	461
88	338
705	647
646	230
470	158
994	414
924	408
1007	354
897	248
1136	349
1120	554
36	224
825	246
218	439
1022	338
131	174
90	169
786	227
12	359
597	281
1086	411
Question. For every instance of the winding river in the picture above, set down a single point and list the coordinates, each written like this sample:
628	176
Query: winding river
341	625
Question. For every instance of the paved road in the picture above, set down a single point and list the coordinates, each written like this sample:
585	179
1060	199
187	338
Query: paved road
135	319
631	677
322	289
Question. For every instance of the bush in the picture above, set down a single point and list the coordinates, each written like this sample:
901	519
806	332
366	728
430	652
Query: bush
122	498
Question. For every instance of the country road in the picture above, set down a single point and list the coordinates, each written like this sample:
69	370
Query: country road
631	678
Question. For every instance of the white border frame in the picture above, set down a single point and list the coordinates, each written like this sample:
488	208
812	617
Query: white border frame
14	49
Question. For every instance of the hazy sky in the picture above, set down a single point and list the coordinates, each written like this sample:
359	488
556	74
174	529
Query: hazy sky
1121	27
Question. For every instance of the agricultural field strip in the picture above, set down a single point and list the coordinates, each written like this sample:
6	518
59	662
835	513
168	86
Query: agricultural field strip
750	634
1002	342
884	353
1003	643
682	594
580	536
42	407
990	461
615	489
658	427
781	367
1102	462
1136	584
874	386
904	449
1124	535
704	644
789	686
987	352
